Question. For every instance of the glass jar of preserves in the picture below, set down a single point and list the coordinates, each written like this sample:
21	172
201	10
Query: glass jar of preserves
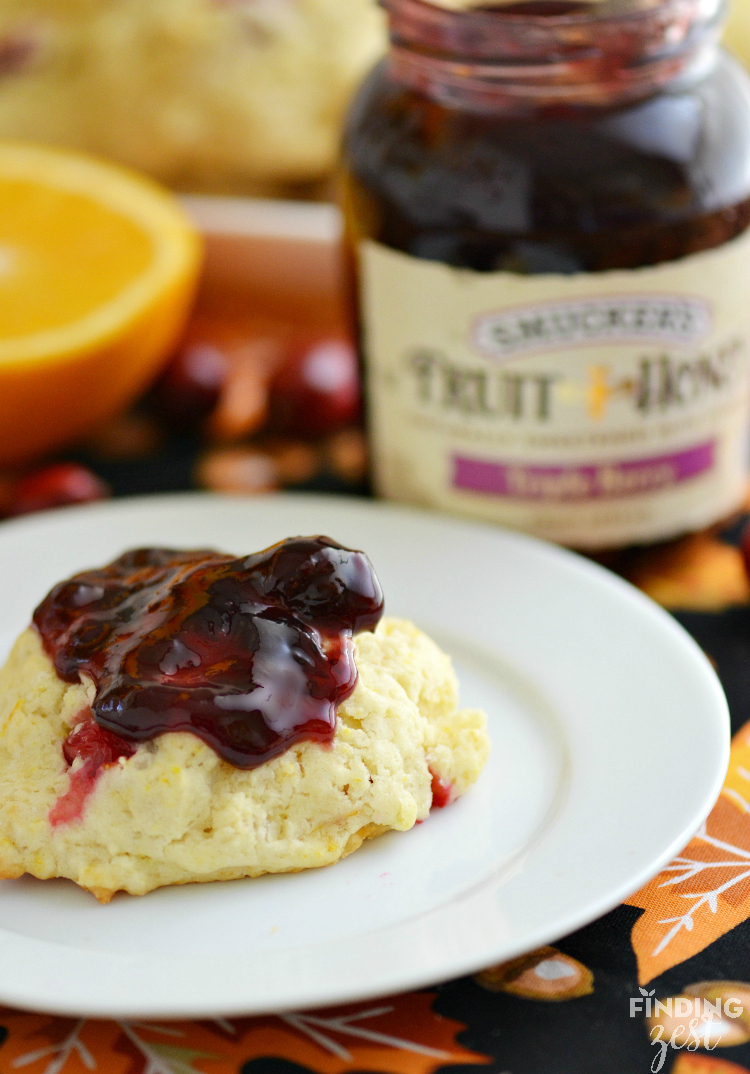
549	203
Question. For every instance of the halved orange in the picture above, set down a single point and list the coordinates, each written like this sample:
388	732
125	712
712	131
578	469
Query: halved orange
98	268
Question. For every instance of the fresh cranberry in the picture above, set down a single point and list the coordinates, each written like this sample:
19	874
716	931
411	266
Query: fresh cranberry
190	388
56	486
317	389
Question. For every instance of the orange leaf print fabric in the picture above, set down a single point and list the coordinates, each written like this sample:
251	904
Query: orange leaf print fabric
705	891
689	1063
402	1035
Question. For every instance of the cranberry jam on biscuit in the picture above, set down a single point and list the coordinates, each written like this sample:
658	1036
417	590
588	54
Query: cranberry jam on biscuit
251	655
187	716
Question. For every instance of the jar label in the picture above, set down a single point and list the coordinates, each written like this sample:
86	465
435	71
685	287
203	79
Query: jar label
593	409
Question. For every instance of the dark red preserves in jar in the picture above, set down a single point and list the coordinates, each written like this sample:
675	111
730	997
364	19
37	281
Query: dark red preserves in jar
549	204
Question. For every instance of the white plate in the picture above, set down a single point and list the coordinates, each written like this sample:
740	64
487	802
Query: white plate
610	742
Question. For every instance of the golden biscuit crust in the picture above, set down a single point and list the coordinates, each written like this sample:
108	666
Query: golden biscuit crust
175	813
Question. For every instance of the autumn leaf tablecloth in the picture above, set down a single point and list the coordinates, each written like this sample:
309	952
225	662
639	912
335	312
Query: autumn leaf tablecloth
587	1005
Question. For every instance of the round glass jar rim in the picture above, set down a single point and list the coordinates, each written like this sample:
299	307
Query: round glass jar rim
613	50
641	28
557	12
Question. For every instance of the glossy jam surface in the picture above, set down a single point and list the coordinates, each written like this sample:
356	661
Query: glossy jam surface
250	654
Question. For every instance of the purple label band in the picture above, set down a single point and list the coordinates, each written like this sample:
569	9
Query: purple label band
517	481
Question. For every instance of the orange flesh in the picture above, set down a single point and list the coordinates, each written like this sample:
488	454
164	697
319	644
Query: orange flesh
56	261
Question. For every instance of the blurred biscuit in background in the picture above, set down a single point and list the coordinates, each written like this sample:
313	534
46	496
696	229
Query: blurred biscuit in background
240	96
737	35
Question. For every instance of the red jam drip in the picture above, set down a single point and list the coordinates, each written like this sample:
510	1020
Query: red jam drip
96	749
443	792
251	655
